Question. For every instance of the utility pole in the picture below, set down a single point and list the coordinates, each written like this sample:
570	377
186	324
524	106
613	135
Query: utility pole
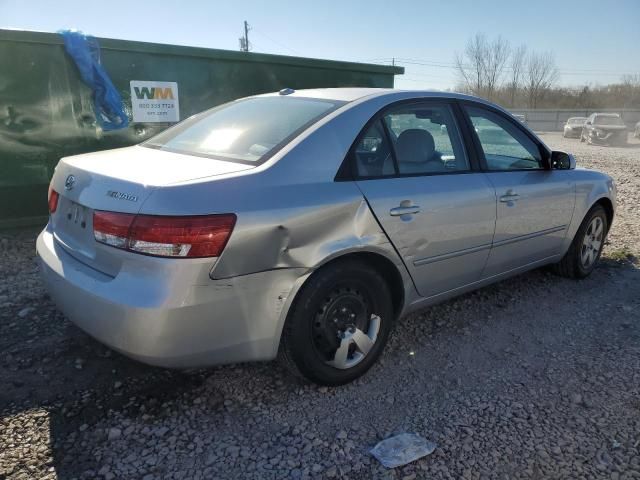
244	41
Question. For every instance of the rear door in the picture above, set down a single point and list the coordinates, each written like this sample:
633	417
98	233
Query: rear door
411	166
535	204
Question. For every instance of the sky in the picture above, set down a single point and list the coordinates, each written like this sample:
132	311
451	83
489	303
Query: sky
594	42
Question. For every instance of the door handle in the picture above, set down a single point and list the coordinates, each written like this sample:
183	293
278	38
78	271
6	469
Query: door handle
510	196
398	211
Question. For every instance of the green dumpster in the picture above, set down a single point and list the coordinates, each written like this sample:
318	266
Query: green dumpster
46	111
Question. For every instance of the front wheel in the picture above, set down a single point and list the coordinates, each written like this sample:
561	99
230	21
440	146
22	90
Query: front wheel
586	247
338	324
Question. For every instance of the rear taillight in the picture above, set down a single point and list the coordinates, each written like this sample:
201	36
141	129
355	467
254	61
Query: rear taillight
53	200
182	237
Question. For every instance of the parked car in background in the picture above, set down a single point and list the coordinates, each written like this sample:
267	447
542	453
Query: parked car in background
604	129
303	224
573	127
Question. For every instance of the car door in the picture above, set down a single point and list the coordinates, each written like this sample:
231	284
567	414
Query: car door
412	168
535	204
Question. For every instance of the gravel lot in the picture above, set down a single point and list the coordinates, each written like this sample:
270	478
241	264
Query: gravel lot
535	377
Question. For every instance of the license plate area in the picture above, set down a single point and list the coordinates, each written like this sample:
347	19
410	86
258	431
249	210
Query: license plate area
73	225
77	216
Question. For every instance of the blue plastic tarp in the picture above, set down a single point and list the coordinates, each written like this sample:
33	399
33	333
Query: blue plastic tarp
107	103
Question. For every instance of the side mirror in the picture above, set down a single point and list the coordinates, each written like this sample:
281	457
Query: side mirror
562	161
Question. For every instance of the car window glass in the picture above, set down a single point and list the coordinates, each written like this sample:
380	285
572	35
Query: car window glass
247	130
505	146
426	139
608	120
372	153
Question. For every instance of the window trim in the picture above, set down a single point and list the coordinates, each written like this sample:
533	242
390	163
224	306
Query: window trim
348	170
545	153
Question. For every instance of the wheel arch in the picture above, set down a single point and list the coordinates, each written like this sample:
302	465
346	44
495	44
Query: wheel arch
607	204
383	264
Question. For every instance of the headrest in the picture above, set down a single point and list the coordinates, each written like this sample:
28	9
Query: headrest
415	146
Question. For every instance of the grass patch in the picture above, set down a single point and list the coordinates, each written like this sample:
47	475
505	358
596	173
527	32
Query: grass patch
620	255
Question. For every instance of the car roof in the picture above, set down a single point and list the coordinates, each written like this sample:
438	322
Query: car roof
351	94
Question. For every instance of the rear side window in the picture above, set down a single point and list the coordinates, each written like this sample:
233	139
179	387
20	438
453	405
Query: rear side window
247	131
505	146
411	140
426	139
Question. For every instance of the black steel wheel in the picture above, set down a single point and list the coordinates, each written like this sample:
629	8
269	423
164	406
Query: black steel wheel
338	324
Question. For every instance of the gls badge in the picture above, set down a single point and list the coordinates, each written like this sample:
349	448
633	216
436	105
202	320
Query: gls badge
122	196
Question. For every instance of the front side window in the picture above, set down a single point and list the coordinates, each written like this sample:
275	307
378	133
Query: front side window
246	131
505	146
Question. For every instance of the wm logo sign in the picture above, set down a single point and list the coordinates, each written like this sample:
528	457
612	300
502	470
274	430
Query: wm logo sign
153	93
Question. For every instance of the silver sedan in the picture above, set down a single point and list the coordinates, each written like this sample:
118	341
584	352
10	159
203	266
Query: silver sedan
302	224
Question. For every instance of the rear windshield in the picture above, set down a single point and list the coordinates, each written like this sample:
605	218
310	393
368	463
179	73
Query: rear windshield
246	131
607	120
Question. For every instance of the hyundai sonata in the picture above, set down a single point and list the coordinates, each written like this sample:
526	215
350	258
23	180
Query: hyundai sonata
302	224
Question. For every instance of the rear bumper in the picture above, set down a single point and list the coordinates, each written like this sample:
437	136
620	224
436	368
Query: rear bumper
168	322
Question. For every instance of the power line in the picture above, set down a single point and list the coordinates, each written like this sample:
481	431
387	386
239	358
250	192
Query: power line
276	42
453	66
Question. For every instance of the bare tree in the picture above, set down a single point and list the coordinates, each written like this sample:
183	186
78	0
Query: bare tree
540	75
516	74
630	89
482	64
470	64
631	80
497	57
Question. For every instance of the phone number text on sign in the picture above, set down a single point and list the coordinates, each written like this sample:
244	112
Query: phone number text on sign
154	101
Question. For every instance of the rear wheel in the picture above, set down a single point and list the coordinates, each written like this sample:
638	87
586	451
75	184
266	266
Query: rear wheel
586	246
338	324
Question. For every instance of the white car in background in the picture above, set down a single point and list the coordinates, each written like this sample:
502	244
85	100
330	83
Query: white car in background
573	127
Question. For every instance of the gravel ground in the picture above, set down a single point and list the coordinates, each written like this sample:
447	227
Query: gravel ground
535	377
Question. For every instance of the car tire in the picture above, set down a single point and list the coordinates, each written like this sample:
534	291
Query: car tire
339	305
586	245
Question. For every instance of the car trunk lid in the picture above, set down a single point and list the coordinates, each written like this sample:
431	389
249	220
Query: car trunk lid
117	181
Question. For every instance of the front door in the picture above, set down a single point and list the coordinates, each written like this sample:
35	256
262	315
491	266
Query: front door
437	212
535	204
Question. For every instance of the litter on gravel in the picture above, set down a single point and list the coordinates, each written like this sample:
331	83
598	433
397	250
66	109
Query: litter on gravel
402	449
